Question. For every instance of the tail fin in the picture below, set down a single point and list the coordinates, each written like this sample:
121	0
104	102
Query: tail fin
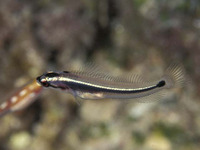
175	76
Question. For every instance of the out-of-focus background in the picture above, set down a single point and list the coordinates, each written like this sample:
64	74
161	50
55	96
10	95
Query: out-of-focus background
141	36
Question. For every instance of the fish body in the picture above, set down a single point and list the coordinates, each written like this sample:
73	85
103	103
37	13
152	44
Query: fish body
94	85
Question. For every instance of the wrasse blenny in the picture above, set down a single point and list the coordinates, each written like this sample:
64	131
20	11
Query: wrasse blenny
22	98
93	85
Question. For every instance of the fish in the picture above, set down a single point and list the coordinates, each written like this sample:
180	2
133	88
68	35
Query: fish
93	85
22	98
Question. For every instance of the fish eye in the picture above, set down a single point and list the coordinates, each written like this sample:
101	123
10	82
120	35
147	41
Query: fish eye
43	82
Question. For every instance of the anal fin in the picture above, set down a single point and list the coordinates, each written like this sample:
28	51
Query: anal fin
78	100
155	97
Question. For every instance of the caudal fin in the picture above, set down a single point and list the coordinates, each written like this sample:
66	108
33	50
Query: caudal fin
175	76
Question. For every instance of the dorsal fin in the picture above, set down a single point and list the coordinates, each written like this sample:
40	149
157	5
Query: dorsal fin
95	71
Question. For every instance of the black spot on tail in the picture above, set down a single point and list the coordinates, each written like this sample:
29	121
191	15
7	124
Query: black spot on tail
161	83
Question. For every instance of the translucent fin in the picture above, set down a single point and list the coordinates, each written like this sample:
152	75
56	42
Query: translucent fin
97	72
130	78
156	97
175	76
78	100
136	79
89	69
107	77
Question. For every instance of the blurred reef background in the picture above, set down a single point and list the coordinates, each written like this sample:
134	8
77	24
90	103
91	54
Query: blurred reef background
140	36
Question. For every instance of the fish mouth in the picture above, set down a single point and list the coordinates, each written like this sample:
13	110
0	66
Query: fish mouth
38	79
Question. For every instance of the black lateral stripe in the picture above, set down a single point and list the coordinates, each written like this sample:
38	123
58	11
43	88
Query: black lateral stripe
87	88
